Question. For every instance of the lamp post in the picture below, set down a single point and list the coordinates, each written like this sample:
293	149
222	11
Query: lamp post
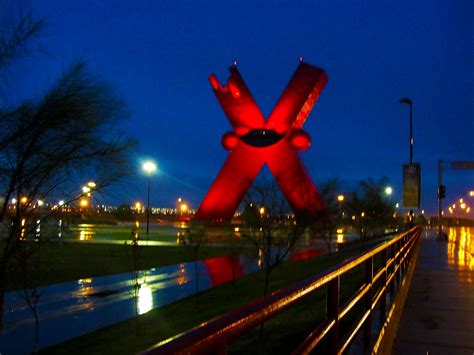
149	167
407	101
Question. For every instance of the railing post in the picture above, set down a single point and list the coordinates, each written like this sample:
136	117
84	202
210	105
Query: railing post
392	283
332	311
383	300
398	264
369	272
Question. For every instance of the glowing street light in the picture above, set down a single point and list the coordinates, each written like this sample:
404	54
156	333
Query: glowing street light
91	184
83	202
138	206
183	208
149	168
340	198
388	191
262	210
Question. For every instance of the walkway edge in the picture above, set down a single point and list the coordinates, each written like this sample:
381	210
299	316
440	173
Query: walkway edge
384	343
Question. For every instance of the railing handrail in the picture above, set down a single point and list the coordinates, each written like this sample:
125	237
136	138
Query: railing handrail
235	322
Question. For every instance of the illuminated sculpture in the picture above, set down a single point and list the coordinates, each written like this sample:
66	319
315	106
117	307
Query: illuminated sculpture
256	141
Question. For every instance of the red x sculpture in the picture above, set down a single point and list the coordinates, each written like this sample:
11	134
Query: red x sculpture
256	141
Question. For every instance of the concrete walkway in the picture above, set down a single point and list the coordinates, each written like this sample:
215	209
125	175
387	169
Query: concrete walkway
438	316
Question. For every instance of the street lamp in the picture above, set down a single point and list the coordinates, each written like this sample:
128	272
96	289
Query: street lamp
388	191
149	168
407	101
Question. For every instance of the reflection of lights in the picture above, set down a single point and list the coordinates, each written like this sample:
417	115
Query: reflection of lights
260	258
464	255
144	299
83	235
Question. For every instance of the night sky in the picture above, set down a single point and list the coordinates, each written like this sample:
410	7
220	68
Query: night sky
158	55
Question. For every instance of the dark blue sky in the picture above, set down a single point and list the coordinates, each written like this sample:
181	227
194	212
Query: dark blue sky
158	55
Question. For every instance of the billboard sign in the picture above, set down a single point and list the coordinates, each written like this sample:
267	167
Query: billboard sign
411	185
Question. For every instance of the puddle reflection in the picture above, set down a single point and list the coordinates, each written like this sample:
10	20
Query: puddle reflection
144	299
460	247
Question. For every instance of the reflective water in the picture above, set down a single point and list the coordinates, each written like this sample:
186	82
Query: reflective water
71	309
460	248
74	308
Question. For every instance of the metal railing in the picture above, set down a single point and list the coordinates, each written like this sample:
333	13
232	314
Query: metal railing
213	336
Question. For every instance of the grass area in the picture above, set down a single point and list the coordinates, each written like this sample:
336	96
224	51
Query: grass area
167	321
72	261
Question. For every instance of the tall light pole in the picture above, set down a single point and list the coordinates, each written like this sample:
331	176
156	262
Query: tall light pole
149	167
407	101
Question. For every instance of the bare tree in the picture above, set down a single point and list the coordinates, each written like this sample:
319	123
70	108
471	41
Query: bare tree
270	227
327	220
372	209
135	260
47	145
195	238
30	269
17	30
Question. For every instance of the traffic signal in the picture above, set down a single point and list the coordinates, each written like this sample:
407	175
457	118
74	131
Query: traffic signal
442	191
